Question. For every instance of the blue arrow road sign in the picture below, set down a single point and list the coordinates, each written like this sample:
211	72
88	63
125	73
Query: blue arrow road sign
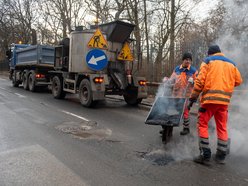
96	59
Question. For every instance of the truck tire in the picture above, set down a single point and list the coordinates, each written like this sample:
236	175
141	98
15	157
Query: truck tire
31	81
132	100
130	96
25	80
15	83
57	88
85	94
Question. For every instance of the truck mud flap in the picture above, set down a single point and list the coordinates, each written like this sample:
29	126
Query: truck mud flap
166	111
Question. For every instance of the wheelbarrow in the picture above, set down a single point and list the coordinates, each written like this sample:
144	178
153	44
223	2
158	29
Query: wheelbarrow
167	112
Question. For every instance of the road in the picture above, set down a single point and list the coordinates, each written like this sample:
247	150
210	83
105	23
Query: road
45	141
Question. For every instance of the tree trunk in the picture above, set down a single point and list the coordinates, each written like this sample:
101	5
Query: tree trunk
172	37
148	60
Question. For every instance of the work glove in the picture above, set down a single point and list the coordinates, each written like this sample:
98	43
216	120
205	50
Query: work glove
165	79
191	102
191	80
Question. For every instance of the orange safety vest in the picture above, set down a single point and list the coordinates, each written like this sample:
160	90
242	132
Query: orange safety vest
180	76
216	80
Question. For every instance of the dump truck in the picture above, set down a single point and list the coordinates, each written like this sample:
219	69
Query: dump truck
97	62
29	65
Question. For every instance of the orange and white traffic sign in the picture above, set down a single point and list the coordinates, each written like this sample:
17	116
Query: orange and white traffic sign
98	40
125	53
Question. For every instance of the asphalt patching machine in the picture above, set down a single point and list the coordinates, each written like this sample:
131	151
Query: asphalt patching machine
97	62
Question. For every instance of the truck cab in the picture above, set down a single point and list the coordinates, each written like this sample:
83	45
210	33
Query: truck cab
11	55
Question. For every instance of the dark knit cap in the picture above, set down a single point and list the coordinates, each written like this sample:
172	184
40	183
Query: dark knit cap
213	49
187	55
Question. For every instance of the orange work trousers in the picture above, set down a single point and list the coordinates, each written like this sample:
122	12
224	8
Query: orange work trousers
186	111
220	113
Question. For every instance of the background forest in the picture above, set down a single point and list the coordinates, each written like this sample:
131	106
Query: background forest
164	28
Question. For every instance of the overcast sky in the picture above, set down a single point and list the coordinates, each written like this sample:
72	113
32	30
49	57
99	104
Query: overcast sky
202	10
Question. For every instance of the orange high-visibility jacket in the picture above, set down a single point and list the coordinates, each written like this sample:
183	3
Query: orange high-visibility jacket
216	80
180	77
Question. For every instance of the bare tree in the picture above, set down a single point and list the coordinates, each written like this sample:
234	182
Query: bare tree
19	16
62	15
101	9
133	10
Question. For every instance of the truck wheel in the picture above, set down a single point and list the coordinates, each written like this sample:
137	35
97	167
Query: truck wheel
31	81
130	96
85	94
15	83
57	88
25	80
131	100
167	133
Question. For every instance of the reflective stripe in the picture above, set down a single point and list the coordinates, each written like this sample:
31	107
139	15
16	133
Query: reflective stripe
186	122
222	145
222	148
218	92
193	95
216	99
221	142
203	143
204	140
197	90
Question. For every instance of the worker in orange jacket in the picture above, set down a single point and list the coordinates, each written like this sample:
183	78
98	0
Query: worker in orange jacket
182	80
215	82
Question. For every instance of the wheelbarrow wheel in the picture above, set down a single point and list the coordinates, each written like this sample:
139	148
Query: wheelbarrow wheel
167	134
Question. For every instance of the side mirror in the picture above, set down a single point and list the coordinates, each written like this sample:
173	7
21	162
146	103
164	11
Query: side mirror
8	54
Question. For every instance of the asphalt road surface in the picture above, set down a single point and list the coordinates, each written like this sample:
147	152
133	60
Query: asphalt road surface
44	141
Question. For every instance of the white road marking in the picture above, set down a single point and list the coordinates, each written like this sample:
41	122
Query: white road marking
2	88
34	164
21	96
69	113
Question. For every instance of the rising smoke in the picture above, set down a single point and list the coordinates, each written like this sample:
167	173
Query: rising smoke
233	41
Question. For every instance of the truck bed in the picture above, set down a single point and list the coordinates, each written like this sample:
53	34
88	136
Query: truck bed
38	55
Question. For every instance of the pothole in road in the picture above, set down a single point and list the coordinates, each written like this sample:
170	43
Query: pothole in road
158	157
84	130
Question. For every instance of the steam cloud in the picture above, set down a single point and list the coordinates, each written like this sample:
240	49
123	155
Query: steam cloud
232	40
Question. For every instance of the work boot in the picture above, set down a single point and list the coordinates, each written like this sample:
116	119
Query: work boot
220	157
185	131
202	160
204	157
